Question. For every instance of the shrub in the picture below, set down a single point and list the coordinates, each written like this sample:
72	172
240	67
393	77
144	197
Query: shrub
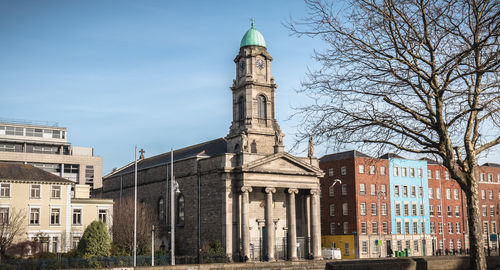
95	241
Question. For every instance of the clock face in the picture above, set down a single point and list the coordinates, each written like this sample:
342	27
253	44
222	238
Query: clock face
260	64
242	65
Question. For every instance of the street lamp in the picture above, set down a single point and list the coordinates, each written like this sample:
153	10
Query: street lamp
380	194
335	182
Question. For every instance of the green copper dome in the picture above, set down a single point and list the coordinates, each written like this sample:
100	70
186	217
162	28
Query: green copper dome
253	38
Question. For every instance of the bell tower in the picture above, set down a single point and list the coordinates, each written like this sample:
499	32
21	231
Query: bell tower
254	128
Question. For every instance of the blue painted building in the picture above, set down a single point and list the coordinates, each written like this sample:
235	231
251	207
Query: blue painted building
409	205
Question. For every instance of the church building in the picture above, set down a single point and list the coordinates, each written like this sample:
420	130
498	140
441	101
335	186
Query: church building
243	190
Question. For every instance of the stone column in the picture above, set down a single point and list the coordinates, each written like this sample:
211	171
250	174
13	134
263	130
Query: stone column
316	225
308	224
270	223
245	231
292	228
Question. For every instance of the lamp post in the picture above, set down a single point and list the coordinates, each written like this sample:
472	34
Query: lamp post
135	207
380	194
333	184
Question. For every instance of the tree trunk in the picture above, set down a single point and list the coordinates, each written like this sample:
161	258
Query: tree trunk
478	259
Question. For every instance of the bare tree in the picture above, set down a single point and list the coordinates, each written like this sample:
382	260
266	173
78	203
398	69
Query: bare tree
408	75
12	226
123	226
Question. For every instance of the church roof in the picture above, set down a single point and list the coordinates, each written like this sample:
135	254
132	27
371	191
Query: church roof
207	149
253	38
25	172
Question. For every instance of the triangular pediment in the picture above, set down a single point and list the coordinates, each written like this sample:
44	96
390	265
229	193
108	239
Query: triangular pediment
282	163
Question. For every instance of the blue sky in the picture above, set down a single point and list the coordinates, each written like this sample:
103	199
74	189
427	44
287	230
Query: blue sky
152	73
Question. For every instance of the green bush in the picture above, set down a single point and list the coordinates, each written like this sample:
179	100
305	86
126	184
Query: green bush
95	241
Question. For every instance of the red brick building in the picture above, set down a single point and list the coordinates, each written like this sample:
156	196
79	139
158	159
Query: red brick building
489	200
352	207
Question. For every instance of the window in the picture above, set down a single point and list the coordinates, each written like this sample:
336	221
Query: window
407	227
161	209
382	172
441	244
55	216
451	244
384	209
363	227
492	210
405	191
485	211
438	176
18	131
448	208
420	191
440	211
400	245
415	245
485	228
385	228
481	177
362	209
490	194
374	228
372	169
332	228
483	194
433	227
440	228
35	191
438	193
420	172
407	244
375	249
362	190
76	240
103	213
446	175
396	171
55	242
415	227
448	194
429	174
241	108
413	209
404	172
457	227
77	216
457	211
396	190
450	227
344	189
431	196
374	209
412	172
413	191
35	216
406	209
455	194
56	192
343	170
332	210
180	210
361	168
493	227
383	188
373	189
459	244
364	246
5	190
345	211
89	175
262	106
346	227
431	210
398	209
331	191
330	172
398	227
4	216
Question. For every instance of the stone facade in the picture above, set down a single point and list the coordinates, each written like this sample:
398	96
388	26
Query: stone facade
243	190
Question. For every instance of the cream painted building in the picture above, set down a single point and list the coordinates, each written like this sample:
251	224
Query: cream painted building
52	214
46	147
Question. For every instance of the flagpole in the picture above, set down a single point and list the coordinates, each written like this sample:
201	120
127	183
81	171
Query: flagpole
135	208
172	209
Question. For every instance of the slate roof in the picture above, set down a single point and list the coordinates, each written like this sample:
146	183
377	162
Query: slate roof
209	149
391	155
343	155
25	172
489	164
430	161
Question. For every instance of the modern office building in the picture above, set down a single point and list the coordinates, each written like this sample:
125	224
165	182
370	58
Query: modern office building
46	146
46	208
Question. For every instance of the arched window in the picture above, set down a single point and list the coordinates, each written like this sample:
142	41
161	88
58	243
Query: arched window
262	106
161	209
180	210
241	108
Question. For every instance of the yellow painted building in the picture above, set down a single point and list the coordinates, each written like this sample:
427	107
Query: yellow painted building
343	242
55	210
